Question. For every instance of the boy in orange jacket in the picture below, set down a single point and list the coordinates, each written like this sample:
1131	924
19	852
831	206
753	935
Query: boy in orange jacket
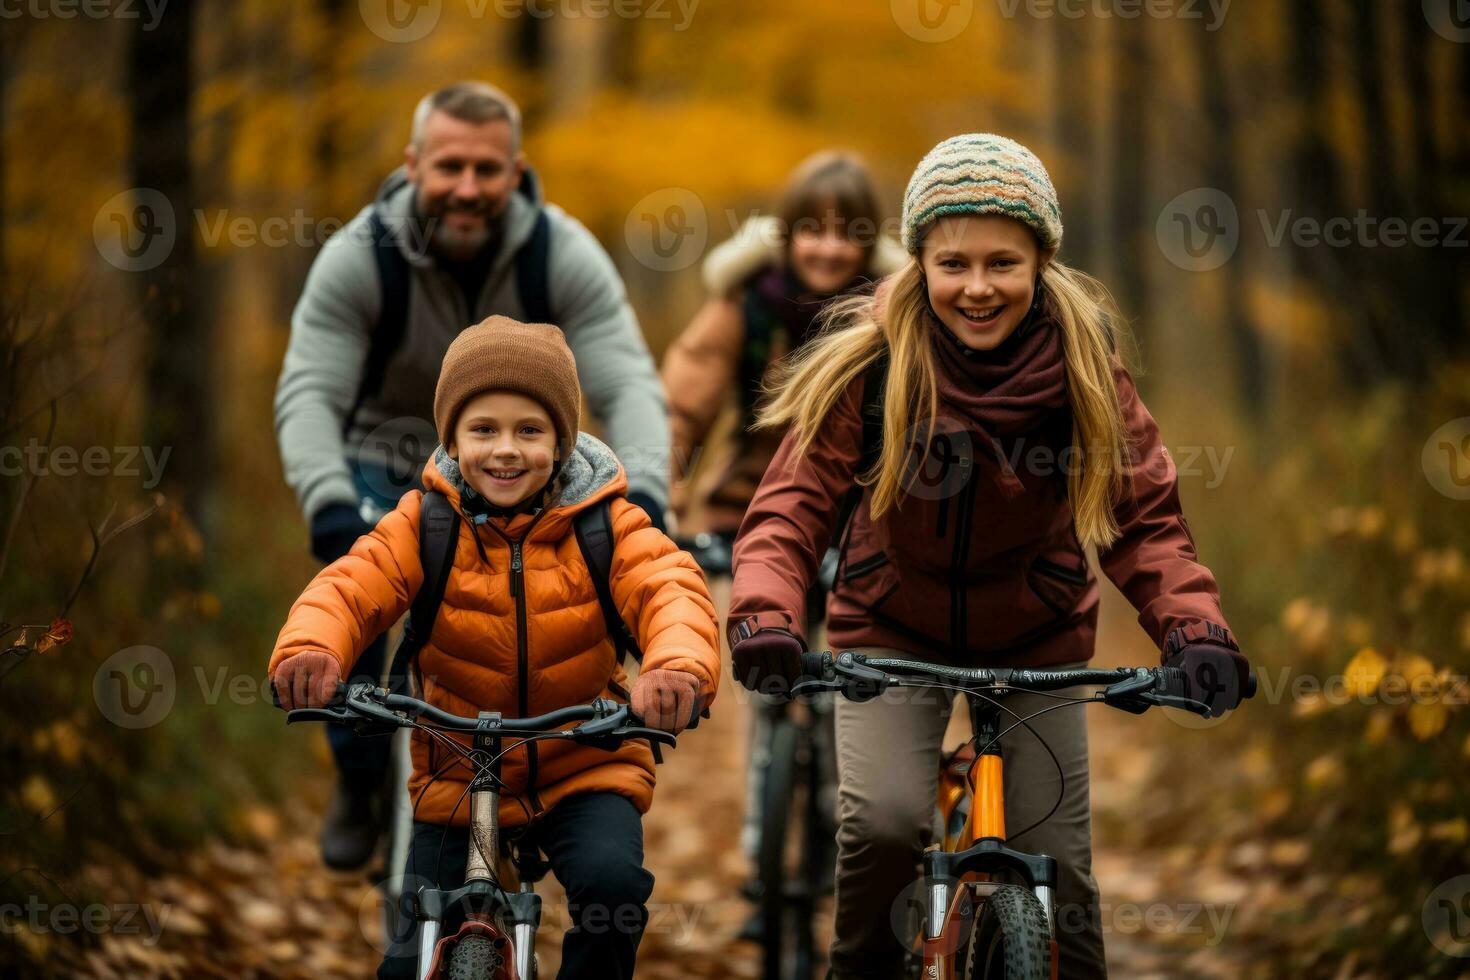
523	636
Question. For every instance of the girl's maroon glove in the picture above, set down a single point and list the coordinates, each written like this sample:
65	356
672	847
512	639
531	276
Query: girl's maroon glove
307	680
1217	674
769	660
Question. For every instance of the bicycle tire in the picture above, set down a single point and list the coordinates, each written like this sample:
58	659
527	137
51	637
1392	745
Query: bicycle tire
1010	940
787	928
475	958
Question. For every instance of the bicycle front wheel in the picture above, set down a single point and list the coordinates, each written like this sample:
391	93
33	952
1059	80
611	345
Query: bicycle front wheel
1010	940
786	898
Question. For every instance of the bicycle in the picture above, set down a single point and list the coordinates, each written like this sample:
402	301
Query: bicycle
497	939
796	762
976	927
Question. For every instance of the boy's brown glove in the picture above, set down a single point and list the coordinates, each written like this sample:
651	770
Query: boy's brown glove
307	680
666	699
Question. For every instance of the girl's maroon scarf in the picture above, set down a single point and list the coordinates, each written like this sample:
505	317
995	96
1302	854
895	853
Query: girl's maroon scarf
1005	392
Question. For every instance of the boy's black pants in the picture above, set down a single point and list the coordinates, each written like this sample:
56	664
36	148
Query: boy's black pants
594	842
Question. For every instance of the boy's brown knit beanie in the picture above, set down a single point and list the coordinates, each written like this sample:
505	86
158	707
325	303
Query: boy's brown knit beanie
501	354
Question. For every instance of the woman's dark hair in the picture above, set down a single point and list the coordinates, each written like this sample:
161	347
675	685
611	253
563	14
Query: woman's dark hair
828	185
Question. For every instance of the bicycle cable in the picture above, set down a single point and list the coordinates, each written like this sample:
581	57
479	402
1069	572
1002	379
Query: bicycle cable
1066	702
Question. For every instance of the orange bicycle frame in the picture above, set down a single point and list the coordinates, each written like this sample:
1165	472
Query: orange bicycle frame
953	872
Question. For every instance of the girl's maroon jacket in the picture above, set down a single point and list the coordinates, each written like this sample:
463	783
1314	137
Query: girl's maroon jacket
980	564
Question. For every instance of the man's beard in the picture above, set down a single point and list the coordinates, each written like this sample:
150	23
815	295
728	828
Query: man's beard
457	243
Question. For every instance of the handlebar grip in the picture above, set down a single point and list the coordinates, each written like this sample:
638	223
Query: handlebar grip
1250	686
338	698
815	664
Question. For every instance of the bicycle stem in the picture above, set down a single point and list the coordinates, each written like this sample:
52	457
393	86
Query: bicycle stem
484	853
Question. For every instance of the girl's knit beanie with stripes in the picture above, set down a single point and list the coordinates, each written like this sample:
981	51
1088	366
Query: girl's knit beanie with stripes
981	173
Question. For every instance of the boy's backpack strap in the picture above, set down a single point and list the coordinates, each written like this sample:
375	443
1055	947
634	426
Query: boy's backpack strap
874	380
438	536
533	275
388	332
594	529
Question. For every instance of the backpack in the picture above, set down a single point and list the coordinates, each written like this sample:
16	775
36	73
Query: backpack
438	538
874	380
532	263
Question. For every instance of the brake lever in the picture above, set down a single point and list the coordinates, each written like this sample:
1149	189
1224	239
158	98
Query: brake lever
1184	704
859	681
813	685
1132	695
651	734
339	715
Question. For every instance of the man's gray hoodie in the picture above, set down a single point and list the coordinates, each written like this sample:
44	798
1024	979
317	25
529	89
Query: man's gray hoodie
333	324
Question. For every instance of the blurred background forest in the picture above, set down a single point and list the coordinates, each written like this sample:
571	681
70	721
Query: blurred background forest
169	170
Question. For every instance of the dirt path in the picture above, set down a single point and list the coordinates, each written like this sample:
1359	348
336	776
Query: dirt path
271	910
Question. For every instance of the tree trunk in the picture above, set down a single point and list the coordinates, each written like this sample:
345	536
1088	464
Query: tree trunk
1221	172
1131	222
1319	181
178	362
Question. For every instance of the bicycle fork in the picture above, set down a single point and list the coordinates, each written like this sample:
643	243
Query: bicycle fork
521	911
948	921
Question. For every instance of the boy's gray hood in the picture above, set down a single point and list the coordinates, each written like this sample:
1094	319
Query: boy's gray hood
591	466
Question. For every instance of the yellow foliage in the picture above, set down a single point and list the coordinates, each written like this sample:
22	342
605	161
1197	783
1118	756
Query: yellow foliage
1323	771
1455	831
1309	704
66	742
1371	521
1414	666
1274	804
1295	613
1428	718
1380	723
37	795
1364	672
1404	832
598	164
1357	630
208	605
1308	622
1405	537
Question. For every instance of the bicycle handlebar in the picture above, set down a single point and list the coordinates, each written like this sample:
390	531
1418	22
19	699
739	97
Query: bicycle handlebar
861	678
711	552
609	723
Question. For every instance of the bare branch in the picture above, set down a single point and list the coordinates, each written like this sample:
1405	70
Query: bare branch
27	481
100	536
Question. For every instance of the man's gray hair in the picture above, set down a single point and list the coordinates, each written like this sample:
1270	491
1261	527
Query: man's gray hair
475	102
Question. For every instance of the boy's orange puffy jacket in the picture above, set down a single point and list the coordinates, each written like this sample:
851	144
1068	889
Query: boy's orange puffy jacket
546	648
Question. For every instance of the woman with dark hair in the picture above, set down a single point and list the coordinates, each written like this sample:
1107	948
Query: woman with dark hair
767	286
